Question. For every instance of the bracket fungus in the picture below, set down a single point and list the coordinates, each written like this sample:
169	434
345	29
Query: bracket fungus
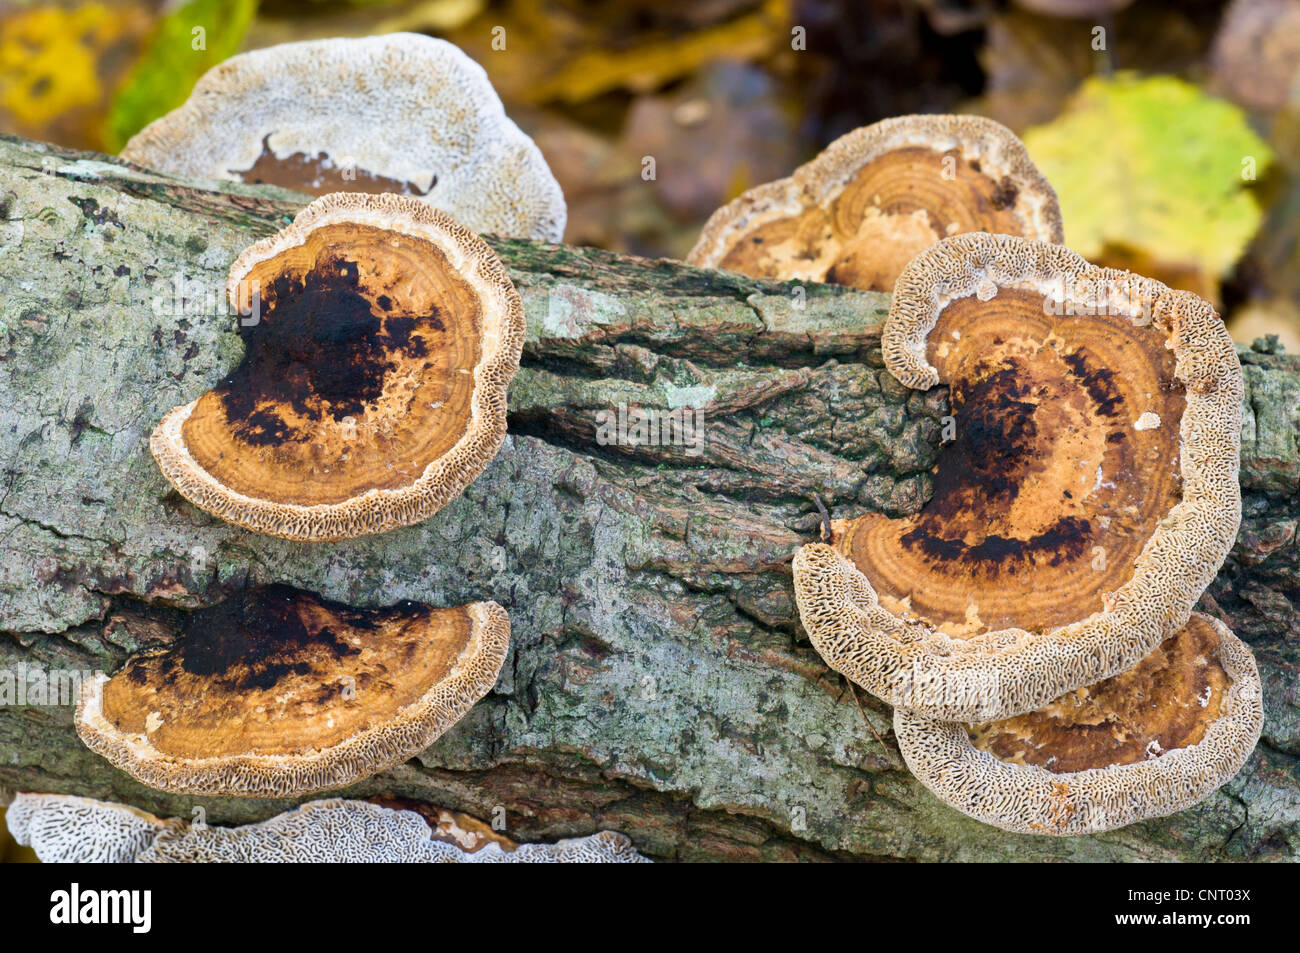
345	831
333	830
1087	498
874	198
1149	742
277	693
373	384
398	113
63	828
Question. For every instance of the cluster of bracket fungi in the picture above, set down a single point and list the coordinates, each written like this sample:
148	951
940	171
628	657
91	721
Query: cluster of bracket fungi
1032	624
371	392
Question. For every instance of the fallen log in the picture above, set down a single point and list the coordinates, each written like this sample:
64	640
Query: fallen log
659	683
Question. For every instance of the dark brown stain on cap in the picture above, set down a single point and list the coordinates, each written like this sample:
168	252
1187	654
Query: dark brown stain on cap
318	347
320	175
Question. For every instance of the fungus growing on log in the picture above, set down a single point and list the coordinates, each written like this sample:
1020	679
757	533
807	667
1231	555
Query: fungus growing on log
397	113
373	384
63	828
1149	742
1086	499
333	830
876	197
343	831
278	693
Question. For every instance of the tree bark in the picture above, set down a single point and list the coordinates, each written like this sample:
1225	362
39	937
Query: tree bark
659	683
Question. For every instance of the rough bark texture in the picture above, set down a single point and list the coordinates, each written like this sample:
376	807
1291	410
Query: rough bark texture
659	683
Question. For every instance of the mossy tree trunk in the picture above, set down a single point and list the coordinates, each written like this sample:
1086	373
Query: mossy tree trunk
659	682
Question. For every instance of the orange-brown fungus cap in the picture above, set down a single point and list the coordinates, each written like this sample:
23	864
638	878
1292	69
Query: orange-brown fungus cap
874	198
1151	741
1063	457
373	385
277	693
1086	498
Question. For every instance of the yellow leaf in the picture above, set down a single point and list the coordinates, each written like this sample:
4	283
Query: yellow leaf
1156	166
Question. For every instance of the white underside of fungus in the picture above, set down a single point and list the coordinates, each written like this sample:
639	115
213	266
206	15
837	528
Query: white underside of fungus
63	828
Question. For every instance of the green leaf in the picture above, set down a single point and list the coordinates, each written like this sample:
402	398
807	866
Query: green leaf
188	42
1153	165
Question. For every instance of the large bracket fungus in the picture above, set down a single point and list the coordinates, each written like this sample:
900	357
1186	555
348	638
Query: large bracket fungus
278	693
874	198
1086	499
1149	742
373	385
397	113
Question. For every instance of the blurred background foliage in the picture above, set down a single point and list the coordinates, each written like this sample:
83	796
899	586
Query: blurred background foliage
1170	128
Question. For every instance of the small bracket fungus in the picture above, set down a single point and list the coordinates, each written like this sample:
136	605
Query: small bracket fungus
278	693
62	828
1149	742
397	113
1062	542
373	384
874	198
342	831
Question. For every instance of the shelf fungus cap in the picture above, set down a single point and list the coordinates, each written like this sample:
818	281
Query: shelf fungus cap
1086	496
373	386
874	198
398	113
277	693
1149	742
